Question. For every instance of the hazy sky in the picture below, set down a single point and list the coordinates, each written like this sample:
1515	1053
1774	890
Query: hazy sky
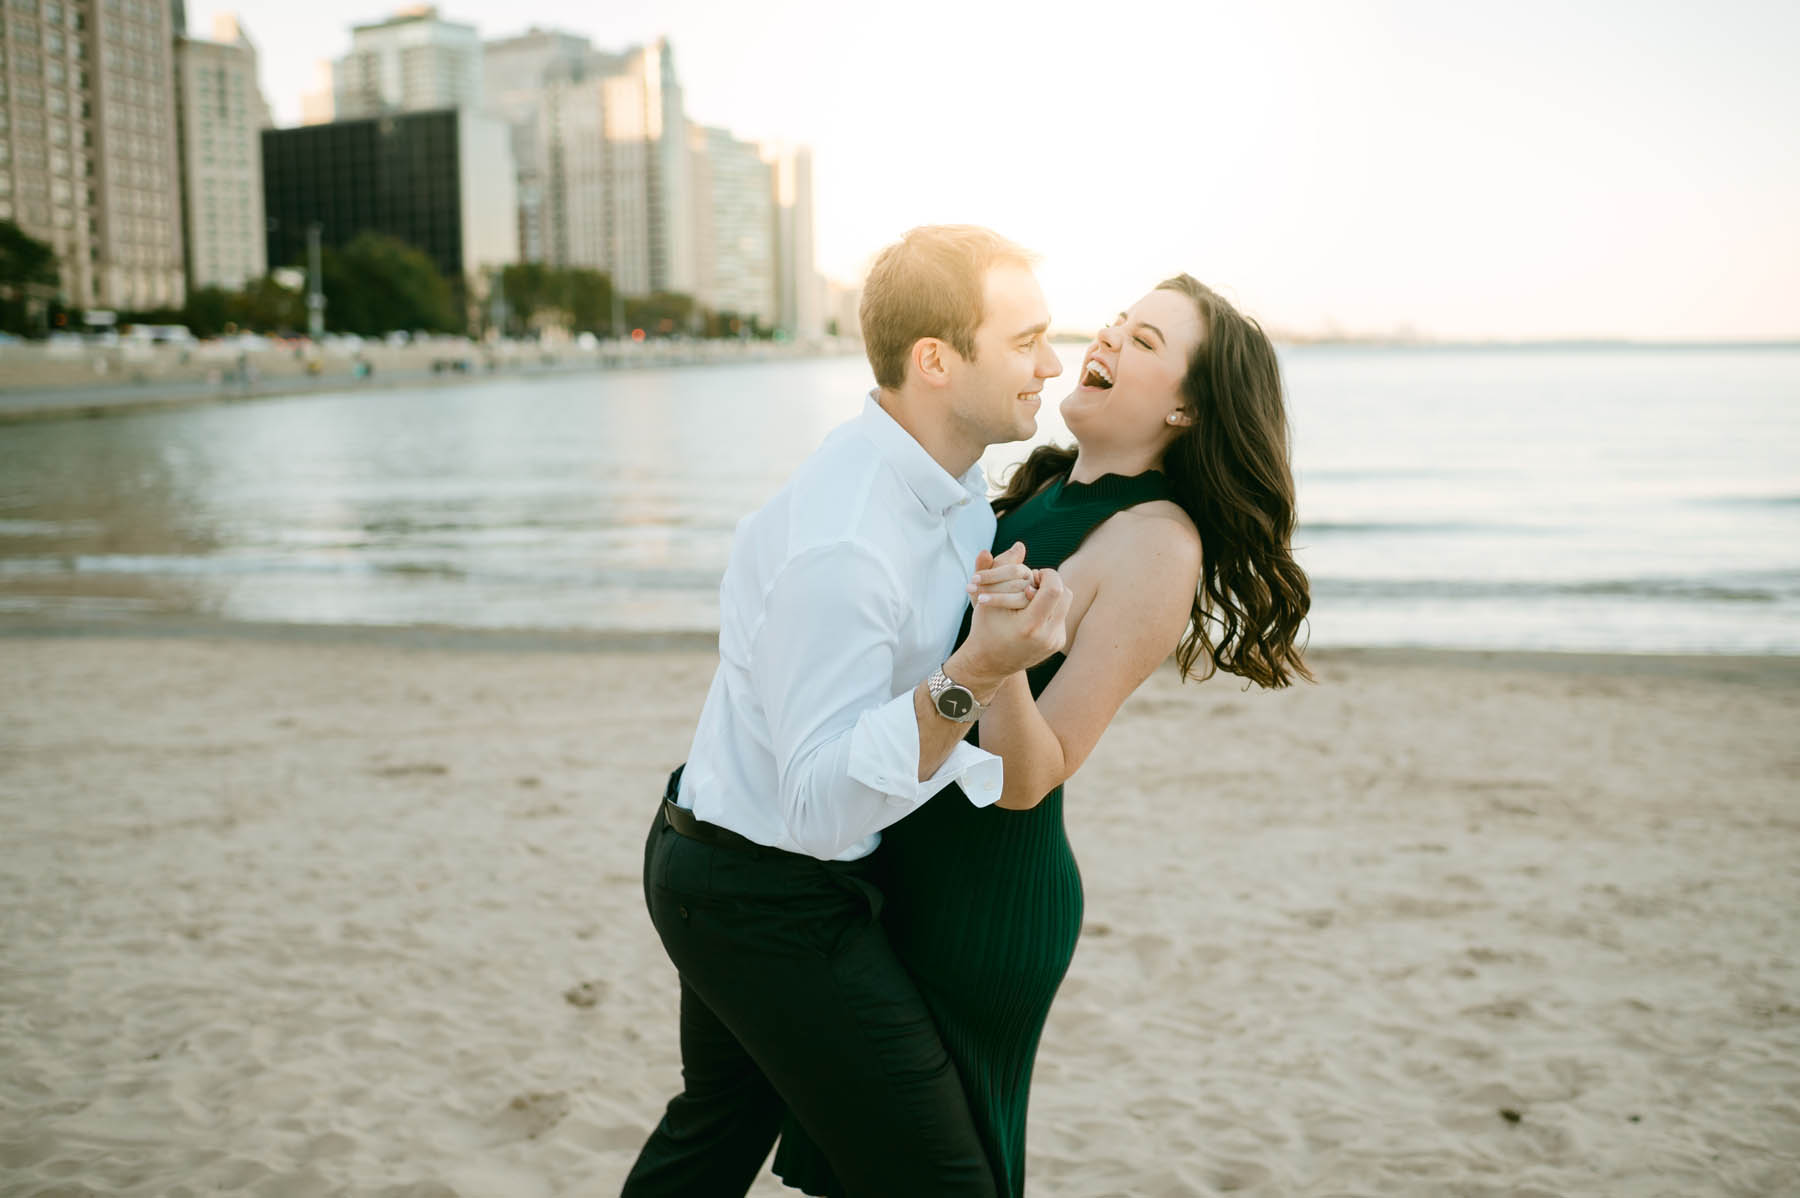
1521	170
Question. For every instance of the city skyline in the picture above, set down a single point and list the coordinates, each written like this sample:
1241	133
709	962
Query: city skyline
1546	172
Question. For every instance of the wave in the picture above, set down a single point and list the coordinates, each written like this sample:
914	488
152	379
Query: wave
1777	501
172	565
1422	527
1777	587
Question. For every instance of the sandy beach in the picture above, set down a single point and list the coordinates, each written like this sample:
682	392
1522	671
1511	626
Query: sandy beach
305	913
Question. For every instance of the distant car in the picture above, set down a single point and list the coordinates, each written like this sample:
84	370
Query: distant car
161	334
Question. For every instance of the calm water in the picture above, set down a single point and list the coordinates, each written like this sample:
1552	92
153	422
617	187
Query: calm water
1630	499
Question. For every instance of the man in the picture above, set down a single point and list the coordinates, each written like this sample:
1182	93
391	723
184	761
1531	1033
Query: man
838	708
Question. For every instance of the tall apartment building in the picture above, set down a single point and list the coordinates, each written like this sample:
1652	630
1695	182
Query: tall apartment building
799	288
221	118
734	226
615	169
87	145
514	72
411	62
439	181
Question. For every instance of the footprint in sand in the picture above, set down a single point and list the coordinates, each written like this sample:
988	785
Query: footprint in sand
1152	952
430	769
531	1115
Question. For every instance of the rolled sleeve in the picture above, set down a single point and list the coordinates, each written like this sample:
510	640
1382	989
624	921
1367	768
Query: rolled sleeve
884	756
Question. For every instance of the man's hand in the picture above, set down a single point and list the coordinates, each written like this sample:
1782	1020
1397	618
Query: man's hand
1014	628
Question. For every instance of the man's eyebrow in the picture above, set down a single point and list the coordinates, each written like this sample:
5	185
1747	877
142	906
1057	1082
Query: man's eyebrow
1033	331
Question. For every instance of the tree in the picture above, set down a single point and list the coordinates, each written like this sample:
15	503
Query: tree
29	279
571	297
377	284
208	311
590	297
661	313
268	307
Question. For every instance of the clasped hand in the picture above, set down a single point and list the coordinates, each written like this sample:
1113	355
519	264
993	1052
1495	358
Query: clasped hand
1021	614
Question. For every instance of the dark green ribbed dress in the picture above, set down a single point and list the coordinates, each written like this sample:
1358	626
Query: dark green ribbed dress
984	904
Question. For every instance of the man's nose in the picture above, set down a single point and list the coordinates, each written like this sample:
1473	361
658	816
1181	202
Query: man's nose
1048	364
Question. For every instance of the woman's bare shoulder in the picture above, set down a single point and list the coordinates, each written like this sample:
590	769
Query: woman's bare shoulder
1158	529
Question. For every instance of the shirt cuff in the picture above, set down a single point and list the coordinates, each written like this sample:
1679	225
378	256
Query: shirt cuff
884	756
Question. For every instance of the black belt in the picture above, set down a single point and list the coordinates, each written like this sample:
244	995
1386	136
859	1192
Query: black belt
695	828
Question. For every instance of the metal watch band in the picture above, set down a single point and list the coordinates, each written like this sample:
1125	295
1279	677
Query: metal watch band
939	684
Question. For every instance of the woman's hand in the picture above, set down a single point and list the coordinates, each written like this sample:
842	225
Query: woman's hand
1007	583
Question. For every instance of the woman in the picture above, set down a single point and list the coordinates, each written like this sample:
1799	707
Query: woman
1170	524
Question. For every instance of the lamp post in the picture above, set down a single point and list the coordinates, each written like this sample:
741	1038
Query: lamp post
315	291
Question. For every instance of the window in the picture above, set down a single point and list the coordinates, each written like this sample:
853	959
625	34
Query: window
53	41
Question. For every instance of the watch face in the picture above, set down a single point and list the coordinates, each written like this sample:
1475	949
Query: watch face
955	702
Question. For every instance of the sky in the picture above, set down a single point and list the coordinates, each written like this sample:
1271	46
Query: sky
1585	169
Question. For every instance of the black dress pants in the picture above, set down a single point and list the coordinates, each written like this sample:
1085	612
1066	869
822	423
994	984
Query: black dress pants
791	999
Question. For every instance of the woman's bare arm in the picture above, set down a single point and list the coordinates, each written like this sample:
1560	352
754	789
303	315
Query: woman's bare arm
1148	567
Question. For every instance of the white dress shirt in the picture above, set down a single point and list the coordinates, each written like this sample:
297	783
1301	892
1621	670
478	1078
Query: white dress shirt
843	593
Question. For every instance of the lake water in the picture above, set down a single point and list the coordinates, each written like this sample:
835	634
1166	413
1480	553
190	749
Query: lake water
1568	498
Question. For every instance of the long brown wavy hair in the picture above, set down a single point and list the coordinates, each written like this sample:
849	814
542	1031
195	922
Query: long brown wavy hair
1229	471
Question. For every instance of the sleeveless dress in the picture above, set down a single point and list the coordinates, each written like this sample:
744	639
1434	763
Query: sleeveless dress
983	905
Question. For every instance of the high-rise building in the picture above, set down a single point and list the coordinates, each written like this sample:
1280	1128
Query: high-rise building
514	74
615	169
318	104
669	189
799	288
440	181
411	62
221	116
87	145
734	226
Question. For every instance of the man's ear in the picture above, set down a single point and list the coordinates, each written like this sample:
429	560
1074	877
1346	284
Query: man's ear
929	360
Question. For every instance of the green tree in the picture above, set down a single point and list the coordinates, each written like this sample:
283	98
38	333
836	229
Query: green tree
574	297
268	307
661	313
29	279
589	300
209	310
377	284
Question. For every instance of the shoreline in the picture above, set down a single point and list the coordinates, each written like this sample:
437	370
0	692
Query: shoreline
280	374
1765	669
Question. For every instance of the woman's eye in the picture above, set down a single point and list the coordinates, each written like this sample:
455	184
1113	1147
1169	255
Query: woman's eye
1143	343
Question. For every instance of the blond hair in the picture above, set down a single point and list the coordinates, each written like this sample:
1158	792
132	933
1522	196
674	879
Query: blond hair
929	284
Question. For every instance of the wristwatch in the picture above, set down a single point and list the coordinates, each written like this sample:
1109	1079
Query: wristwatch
953	700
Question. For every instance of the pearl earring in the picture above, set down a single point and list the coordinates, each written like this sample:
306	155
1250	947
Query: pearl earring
1174	417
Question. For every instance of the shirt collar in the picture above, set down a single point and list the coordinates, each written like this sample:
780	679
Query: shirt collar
930	483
